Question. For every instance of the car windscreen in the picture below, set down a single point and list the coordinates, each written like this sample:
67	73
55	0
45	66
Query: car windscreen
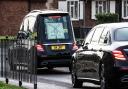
121	34
55	27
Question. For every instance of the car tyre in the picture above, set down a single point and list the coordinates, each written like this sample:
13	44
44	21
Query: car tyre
105	81
76	83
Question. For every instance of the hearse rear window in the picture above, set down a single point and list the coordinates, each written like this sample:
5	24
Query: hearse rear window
56	27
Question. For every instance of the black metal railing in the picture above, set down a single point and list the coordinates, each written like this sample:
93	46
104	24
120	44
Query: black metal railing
18	60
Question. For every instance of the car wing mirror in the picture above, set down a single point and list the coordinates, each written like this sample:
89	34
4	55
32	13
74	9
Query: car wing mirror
22	35
85	47
80	43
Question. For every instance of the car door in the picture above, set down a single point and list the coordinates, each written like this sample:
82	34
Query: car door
83	56
104	42
93	47
88	60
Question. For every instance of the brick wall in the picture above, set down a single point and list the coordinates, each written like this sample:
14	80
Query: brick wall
38	5
11	14
88	21
13	11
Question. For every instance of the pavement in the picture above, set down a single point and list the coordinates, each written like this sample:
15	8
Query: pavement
57	79
41	85
31	86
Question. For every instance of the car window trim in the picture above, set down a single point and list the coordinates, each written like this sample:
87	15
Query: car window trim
97	42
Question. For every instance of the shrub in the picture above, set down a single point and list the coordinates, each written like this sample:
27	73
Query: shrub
107	18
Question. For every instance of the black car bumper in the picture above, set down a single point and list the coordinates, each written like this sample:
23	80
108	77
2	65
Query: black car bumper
54	61
121	73
123	78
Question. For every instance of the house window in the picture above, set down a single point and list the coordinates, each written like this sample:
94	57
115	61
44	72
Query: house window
73	9
102	7
125	8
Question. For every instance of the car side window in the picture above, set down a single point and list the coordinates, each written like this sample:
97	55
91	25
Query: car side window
23	33
107	40
26	28
26	24
89	36
97	34
104	36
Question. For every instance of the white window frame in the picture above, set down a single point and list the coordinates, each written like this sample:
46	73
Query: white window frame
110	7
101	6
125	9
73	15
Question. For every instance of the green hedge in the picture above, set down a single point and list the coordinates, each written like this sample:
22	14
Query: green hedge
107	18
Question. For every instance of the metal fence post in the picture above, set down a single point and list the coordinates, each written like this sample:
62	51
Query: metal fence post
2	61
20	83
6	59
20	63
35	64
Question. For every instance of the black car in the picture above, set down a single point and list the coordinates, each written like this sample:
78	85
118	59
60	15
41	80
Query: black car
55	41
103	57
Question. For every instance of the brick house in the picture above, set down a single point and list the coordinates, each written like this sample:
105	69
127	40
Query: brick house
13	11
83	12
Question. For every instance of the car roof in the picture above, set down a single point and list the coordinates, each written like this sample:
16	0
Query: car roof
113	26
37	12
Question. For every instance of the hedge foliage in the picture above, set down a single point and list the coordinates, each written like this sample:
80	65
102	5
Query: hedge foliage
107	18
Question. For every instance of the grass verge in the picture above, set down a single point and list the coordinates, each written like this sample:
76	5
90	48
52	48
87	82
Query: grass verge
9	37
8	86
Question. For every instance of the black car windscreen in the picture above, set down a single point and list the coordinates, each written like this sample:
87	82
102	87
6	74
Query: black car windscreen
55	27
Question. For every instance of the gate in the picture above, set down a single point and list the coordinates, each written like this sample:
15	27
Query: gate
18	61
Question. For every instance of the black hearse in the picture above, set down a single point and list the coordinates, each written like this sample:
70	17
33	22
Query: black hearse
54	36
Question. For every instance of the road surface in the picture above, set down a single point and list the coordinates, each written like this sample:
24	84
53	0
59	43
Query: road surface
59	78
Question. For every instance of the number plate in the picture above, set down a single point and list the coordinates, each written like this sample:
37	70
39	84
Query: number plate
58	47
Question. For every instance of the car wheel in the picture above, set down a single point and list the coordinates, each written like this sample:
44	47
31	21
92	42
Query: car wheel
76	83
105	81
